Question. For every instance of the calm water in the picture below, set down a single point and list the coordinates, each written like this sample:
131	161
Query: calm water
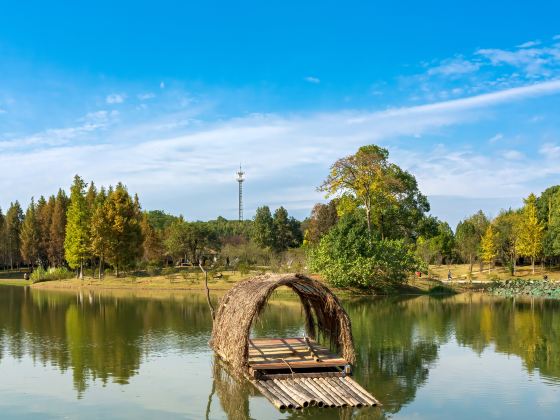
119	355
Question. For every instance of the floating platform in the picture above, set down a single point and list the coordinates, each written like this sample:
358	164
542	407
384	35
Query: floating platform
290	372
298	372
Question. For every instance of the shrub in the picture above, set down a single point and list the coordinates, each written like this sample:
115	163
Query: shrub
348	257
58	273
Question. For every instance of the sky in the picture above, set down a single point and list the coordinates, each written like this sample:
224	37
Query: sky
170	98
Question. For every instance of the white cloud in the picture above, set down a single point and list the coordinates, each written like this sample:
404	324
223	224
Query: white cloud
162	85
115	98
145	96
529	44
2	111
513	155
297	149
556	37
455	66
550	150
533	61
496	138
312	79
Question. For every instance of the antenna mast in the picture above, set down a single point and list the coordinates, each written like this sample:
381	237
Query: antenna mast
240	180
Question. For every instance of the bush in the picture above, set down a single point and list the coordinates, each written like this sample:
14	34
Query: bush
58	273
348	258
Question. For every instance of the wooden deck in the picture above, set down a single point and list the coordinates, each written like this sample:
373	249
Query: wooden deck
291	354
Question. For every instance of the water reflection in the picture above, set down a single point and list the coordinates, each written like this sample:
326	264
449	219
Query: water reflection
107	337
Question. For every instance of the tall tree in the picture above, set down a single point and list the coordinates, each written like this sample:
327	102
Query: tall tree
467	241
14	220
100	229
125	244
263	228
30	239
507	233
530	231
282	230
2	240
367	179
57	230
489	246
44	219
152	246
77	241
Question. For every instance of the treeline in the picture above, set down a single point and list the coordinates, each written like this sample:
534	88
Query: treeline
97	228
376	229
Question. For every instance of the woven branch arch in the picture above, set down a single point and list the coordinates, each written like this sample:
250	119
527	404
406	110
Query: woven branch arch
241	305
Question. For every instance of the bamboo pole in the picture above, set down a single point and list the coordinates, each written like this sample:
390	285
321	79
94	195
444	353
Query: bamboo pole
291	402
311	385
336	392
344	393
337	400
360	391
355	395
293	395
303	392
278	403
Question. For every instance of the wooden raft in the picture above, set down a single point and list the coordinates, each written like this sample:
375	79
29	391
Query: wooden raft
297	373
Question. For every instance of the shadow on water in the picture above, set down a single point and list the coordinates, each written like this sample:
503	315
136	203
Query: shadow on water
107	337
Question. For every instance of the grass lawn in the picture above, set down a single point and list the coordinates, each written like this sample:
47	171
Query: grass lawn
461	272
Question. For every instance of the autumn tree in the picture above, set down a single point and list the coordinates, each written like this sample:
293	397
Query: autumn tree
530	231
489	247
323	217
77	244
2	240
467	242
30	240
368	180
152	246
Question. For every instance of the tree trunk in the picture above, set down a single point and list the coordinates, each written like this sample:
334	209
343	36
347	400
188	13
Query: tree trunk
533	264
368	218
81	277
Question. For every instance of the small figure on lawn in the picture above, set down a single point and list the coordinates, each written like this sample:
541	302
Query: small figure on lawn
449	275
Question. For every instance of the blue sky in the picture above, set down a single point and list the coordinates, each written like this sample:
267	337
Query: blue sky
169	98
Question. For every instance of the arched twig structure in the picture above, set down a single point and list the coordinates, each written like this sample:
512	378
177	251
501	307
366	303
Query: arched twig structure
239	307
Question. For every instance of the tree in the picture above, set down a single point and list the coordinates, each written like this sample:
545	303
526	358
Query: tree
467	241
44	212
125	235
387	194
489	247
57	230
263	228
100	229
77	244
153	246
30	240
13	220
323	217
530	231
3	258
348	257
507	233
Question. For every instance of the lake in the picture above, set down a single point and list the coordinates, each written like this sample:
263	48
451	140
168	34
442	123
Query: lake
145	355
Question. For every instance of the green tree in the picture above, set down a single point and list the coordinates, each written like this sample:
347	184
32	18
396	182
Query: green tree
14	220
153	250
44	212
125	243
30	239
100	229
489	246
283	230
77	244
348	257
3	258
507	233
57	230
530	231
263	228
467	242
